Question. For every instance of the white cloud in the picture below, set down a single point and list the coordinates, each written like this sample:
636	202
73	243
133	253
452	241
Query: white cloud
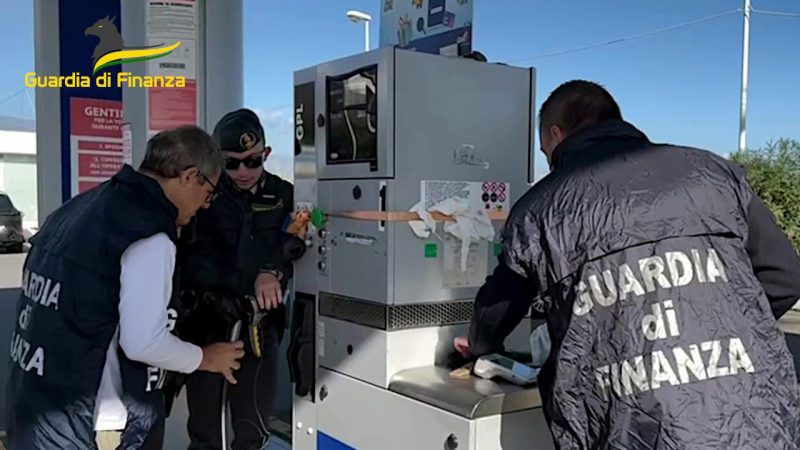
281	165
278	125
277	121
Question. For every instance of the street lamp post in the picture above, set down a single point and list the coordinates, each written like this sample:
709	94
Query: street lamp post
745	67
358	16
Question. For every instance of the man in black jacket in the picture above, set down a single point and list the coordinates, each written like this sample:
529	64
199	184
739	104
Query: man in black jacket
239	249
661	275
92	341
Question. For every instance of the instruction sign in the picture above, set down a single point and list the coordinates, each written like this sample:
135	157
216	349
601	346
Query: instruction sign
169	21
486	195
95	141
442	27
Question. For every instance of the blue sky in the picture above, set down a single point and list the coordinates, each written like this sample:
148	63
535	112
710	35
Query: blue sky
679	86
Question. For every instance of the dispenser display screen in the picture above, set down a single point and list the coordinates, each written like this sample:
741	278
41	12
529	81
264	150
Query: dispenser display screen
508	363
352	110
518	368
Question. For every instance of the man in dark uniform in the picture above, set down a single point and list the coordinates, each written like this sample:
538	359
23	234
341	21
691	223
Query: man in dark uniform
239	251
661	275
92	342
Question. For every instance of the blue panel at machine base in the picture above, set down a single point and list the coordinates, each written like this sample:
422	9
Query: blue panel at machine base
325	442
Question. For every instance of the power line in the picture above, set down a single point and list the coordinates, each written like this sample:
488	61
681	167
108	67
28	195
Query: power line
629	38
777	13
12	96
30	101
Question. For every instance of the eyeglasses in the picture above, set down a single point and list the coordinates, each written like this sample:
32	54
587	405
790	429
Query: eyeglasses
251	162
214	192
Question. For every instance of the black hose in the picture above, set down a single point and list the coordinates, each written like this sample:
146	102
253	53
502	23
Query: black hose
234	336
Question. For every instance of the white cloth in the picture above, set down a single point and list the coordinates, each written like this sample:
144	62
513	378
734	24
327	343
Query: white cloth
109	412
470	225
143	333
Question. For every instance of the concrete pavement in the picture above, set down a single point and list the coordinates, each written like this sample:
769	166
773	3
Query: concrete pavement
11	270
10	280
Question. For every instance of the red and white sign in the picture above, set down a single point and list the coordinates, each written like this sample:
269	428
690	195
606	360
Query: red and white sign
495	195
173	107
95	141
99	166
171	21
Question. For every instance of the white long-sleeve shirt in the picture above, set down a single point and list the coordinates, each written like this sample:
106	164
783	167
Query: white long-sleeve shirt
143	333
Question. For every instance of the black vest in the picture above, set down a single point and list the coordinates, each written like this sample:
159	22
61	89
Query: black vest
68	312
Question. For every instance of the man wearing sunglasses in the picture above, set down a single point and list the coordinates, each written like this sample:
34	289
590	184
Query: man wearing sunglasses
239	251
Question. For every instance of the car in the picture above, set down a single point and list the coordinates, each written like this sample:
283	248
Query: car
11	235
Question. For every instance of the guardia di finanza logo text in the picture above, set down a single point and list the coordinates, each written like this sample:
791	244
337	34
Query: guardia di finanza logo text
111	51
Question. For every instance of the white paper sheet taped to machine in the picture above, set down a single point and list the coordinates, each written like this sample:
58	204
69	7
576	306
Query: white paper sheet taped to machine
470	225
474	275
493	196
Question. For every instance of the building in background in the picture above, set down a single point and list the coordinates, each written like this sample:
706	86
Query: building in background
18	166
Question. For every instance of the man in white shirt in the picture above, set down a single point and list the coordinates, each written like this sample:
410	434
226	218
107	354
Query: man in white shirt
93	342
144	330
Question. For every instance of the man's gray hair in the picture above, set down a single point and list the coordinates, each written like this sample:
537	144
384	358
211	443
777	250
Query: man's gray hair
172	151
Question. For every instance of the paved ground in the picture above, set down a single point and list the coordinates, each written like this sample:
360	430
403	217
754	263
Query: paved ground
10	277
790	322
11	270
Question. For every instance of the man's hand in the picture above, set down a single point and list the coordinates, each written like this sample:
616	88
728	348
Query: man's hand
461	344
268	291
299	225
222	358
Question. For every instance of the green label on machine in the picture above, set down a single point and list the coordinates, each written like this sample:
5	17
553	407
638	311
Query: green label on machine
318	218
431	250
498	248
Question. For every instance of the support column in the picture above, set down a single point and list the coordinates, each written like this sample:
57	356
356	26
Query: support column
225	59
48	111
213	59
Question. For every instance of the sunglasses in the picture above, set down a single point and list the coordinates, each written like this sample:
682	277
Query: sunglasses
251	162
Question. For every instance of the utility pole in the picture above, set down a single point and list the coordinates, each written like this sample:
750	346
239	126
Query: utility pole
745	66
